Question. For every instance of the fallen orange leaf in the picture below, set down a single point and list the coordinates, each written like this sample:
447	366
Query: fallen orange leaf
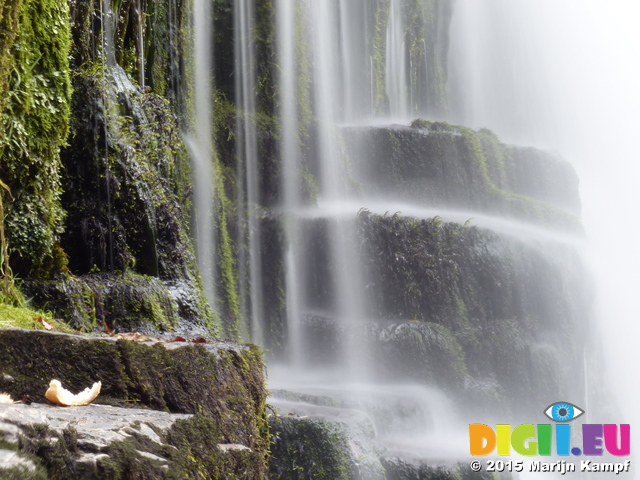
134	337
108	330
44	323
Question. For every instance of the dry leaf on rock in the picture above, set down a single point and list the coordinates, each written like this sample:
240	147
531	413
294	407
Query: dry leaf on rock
134	337
44	323
108	330
57	394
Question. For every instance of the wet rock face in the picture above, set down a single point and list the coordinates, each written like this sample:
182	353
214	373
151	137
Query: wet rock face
121	175
125	183
124	301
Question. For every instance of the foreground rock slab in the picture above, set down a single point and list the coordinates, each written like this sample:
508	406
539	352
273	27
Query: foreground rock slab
204	409
101	441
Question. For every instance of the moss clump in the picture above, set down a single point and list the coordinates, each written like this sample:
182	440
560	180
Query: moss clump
420	123
306	448
230	306
8	25
422	351
34	124
21	317
54	451
131	302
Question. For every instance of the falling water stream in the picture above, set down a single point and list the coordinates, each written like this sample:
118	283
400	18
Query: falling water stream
201	148
248	158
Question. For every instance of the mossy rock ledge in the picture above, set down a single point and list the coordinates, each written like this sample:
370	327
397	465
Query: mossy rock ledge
200	409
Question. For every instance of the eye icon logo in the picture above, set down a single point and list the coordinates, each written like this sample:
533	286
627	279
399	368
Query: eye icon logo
563	412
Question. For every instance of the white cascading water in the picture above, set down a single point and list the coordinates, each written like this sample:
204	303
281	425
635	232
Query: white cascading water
499	76
248	190
334	187
565	76
201	148
141	53
292	178
396	64
355	60
336	90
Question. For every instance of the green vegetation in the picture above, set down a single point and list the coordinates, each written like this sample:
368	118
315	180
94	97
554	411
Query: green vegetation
420	123
22	317
34	124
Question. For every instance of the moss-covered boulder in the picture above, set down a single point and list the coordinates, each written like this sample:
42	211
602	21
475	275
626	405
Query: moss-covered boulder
435	164
123	301
321	448
223	382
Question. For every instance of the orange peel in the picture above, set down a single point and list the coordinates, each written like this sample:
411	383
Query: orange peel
59	395
6	398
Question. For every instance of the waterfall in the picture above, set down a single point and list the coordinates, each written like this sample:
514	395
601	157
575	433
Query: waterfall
201	148
345	75
248	189
396	63
292	178
108	39
354	40
498	71
141	54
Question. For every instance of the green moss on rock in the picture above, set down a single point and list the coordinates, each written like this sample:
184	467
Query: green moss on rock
34	124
